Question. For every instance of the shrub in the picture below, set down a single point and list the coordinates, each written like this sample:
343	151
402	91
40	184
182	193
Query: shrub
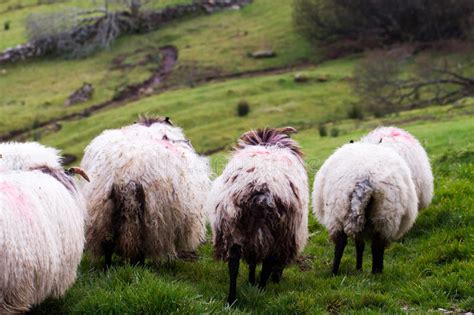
243	108
355	112
322	130
391	81
334	132
383	22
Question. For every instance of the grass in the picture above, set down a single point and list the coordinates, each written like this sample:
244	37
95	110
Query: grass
210	110
208	45
430	268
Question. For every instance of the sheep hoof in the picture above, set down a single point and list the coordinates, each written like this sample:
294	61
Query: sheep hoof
231	301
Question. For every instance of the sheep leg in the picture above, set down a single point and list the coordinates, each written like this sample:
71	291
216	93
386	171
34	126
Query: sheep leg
341	241
252	267
360	246
234	261
378	248
277	273
108	250
139	260
267	267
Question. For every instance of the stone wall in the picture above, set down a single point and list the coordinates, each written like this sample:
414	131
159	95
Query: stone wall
144	22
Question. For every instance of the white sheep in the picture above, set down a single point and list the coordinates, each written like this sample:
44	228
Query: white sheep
147	192
363	191
42	216
414	154
259	205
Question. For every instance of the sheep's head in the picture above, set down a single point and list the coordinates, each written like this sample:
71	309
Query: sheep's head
150	120
271	137
184	143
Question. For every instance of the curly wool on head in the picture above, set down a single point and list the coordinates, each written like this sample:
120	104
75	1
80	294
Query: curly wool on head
413	153
365	190
42	226
260	202
147	192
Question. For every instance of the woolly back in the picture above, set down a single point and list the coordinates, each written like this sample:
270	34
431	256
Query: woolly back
410	149
271	137
27	156
155	127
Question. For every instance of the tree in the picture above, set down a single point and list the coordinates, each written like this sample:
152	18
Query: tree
384	85
383	21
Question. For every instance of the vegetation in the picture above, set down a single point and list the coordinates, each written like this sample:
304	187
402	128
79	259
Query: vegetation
243	108
383	85
430	268
383	22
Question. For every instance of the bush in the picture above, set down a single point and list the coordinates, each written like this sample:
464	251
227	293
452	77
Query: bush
391	81
334	132
355	112
323	131
243	108
383	22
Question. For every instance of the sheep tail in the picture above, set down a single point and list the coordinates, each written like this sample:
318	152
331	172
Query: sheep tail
360	198
128	218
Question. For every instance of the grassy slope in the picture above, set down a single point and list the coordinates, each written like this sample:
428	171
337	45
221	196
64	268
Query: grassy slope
208	113
430	268
207	45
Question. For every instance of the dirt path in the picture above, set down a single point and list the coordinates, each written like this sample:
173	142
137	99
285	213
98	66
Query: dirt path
137	91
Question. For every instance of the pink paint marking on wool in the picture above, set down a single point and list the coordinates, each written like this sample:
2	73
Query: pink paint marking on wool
252	153
268	154
18	199
399	133
168	145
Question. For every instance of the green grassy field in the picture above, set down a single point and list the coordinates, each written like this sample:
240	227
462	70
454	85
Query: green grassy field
432	267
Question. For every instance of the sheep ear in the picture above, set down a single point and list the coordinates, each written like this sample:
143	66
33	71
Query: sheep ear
287	130
352	141
165	137
78	171
168	121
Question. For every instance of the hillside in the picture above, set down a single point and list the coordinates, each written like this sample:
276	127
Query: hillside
431	268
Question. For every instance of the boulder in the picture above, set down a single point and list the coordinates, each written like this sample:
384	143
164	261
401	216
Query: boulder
263	54
81	95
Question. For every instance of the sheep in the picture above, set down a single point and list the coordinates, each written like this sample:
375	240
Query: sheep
364	191
147	193
411	150
258	207
42	218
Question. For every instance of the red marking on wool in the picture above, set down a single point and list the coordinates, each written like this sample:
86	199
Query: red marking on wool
398	133
18	199
271	155
168	145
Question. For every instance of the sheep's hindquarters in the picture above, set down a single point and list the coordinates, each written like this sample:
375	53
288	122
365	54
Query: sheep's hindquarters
127	238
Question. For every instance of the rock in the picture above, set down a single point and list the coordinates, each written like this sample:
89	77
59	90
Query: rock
4	71
301	78
83	94
323	78
263	54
